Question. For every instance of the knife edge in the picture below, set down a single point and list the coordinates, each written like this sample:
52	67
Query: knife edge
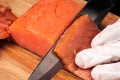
47	68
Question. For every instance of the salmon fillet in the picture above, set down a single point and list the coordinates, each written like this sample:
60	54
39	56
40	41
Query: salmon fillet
76	38
39	28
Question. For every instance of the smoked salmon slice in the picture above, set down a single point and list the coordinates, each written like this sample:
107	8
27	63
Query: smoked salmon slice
39	28
76	38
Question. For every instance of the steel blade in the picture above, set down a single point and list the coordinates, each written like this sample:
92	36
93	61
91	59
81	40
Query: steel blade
48	67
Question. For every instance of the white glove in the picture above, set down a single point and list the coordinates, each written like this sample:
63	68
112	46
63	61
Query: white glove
105	48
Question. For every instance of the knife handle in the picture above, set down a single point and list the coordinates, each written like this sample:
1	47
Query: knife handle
97	9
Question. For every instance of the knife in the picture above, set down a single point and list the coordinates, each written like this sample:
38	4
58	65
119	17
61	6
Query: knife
51	64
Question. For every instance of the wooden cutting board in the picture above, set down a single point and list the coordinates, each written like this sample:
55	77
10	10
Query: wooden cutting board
17	63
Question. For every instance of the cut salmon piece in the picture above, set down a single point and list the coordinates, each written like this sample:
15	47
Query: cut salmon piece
6	19
3	8
3	31
76	38
10	16
39	28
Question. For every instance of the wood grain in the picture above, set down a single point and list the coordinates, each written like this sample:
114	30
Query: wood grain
17	63
109	19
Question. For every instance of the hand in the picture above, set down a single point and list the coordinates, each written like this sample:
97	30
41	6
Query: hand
104	54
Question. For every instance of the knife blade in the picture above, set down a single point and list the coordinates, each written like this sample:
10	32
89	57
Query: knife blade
51	64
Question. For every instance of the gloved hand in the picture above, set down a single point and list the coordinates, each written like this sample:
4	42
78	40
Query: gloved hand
104	54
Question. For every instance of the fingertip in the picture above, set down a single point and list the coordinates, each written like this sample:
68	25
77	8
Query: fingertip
96	73
81	59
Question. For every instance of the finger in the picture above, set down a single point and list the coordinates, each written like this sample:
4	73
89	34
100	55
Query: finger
106	72
98	55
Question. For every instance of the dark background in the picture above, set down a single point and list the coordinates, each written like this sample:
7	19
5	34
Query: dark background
116	8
